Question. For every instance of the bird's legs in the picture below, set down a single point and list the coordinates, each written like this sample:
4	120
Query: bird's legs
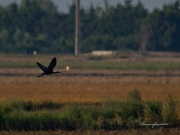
40	75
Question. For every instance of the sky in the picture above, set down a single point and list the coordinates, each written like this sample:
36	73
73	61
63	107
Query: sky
63	4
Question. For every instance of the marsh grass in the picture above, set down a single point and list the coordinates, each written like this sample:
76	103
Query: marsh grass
169	110
152	111
109	115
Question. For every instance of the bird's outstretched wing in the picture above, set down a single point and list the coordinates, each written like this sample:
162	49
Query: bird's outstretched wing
52	64
43	68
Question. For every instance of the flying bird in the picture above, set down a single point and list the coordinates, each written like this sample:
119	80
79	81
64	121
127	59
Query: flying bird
49	70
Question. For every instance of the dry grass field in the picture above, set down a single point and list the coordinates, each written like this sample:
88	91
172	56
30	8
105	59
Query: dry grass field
85	88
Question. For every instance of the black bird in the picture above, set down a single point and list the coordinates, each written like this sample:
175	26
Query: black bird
49	70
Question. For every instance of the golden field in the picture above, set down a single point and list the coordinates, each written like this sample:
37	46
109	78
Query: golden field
90	79
74	86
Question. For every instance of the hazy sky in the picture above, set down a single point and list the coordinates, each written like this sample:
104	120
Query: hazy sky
63	4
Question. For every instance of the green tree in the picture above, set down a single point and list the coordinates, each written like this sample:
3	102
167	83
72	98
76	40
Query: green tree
18	35
31	15
5	41
36	25
165	27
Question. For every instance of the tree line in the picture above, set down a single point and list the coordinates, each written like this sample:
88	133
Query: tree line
37	25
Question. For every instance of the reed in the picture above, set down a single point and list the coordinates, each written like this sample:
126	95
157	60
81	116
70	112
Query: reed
109	115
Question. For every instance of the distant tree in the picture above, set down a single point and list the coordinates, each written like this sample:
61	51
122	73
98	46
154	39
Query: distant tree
174	16
165	27
145	34
18	35
36	25
31	15
2	11
5	41
27	45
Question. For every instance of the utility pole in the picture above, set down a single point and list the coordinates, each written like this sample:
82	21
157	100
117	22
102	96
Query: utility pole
77	28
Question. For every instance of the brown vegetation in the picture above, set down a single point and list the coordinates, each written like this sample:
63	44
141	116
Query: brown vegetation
91	89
